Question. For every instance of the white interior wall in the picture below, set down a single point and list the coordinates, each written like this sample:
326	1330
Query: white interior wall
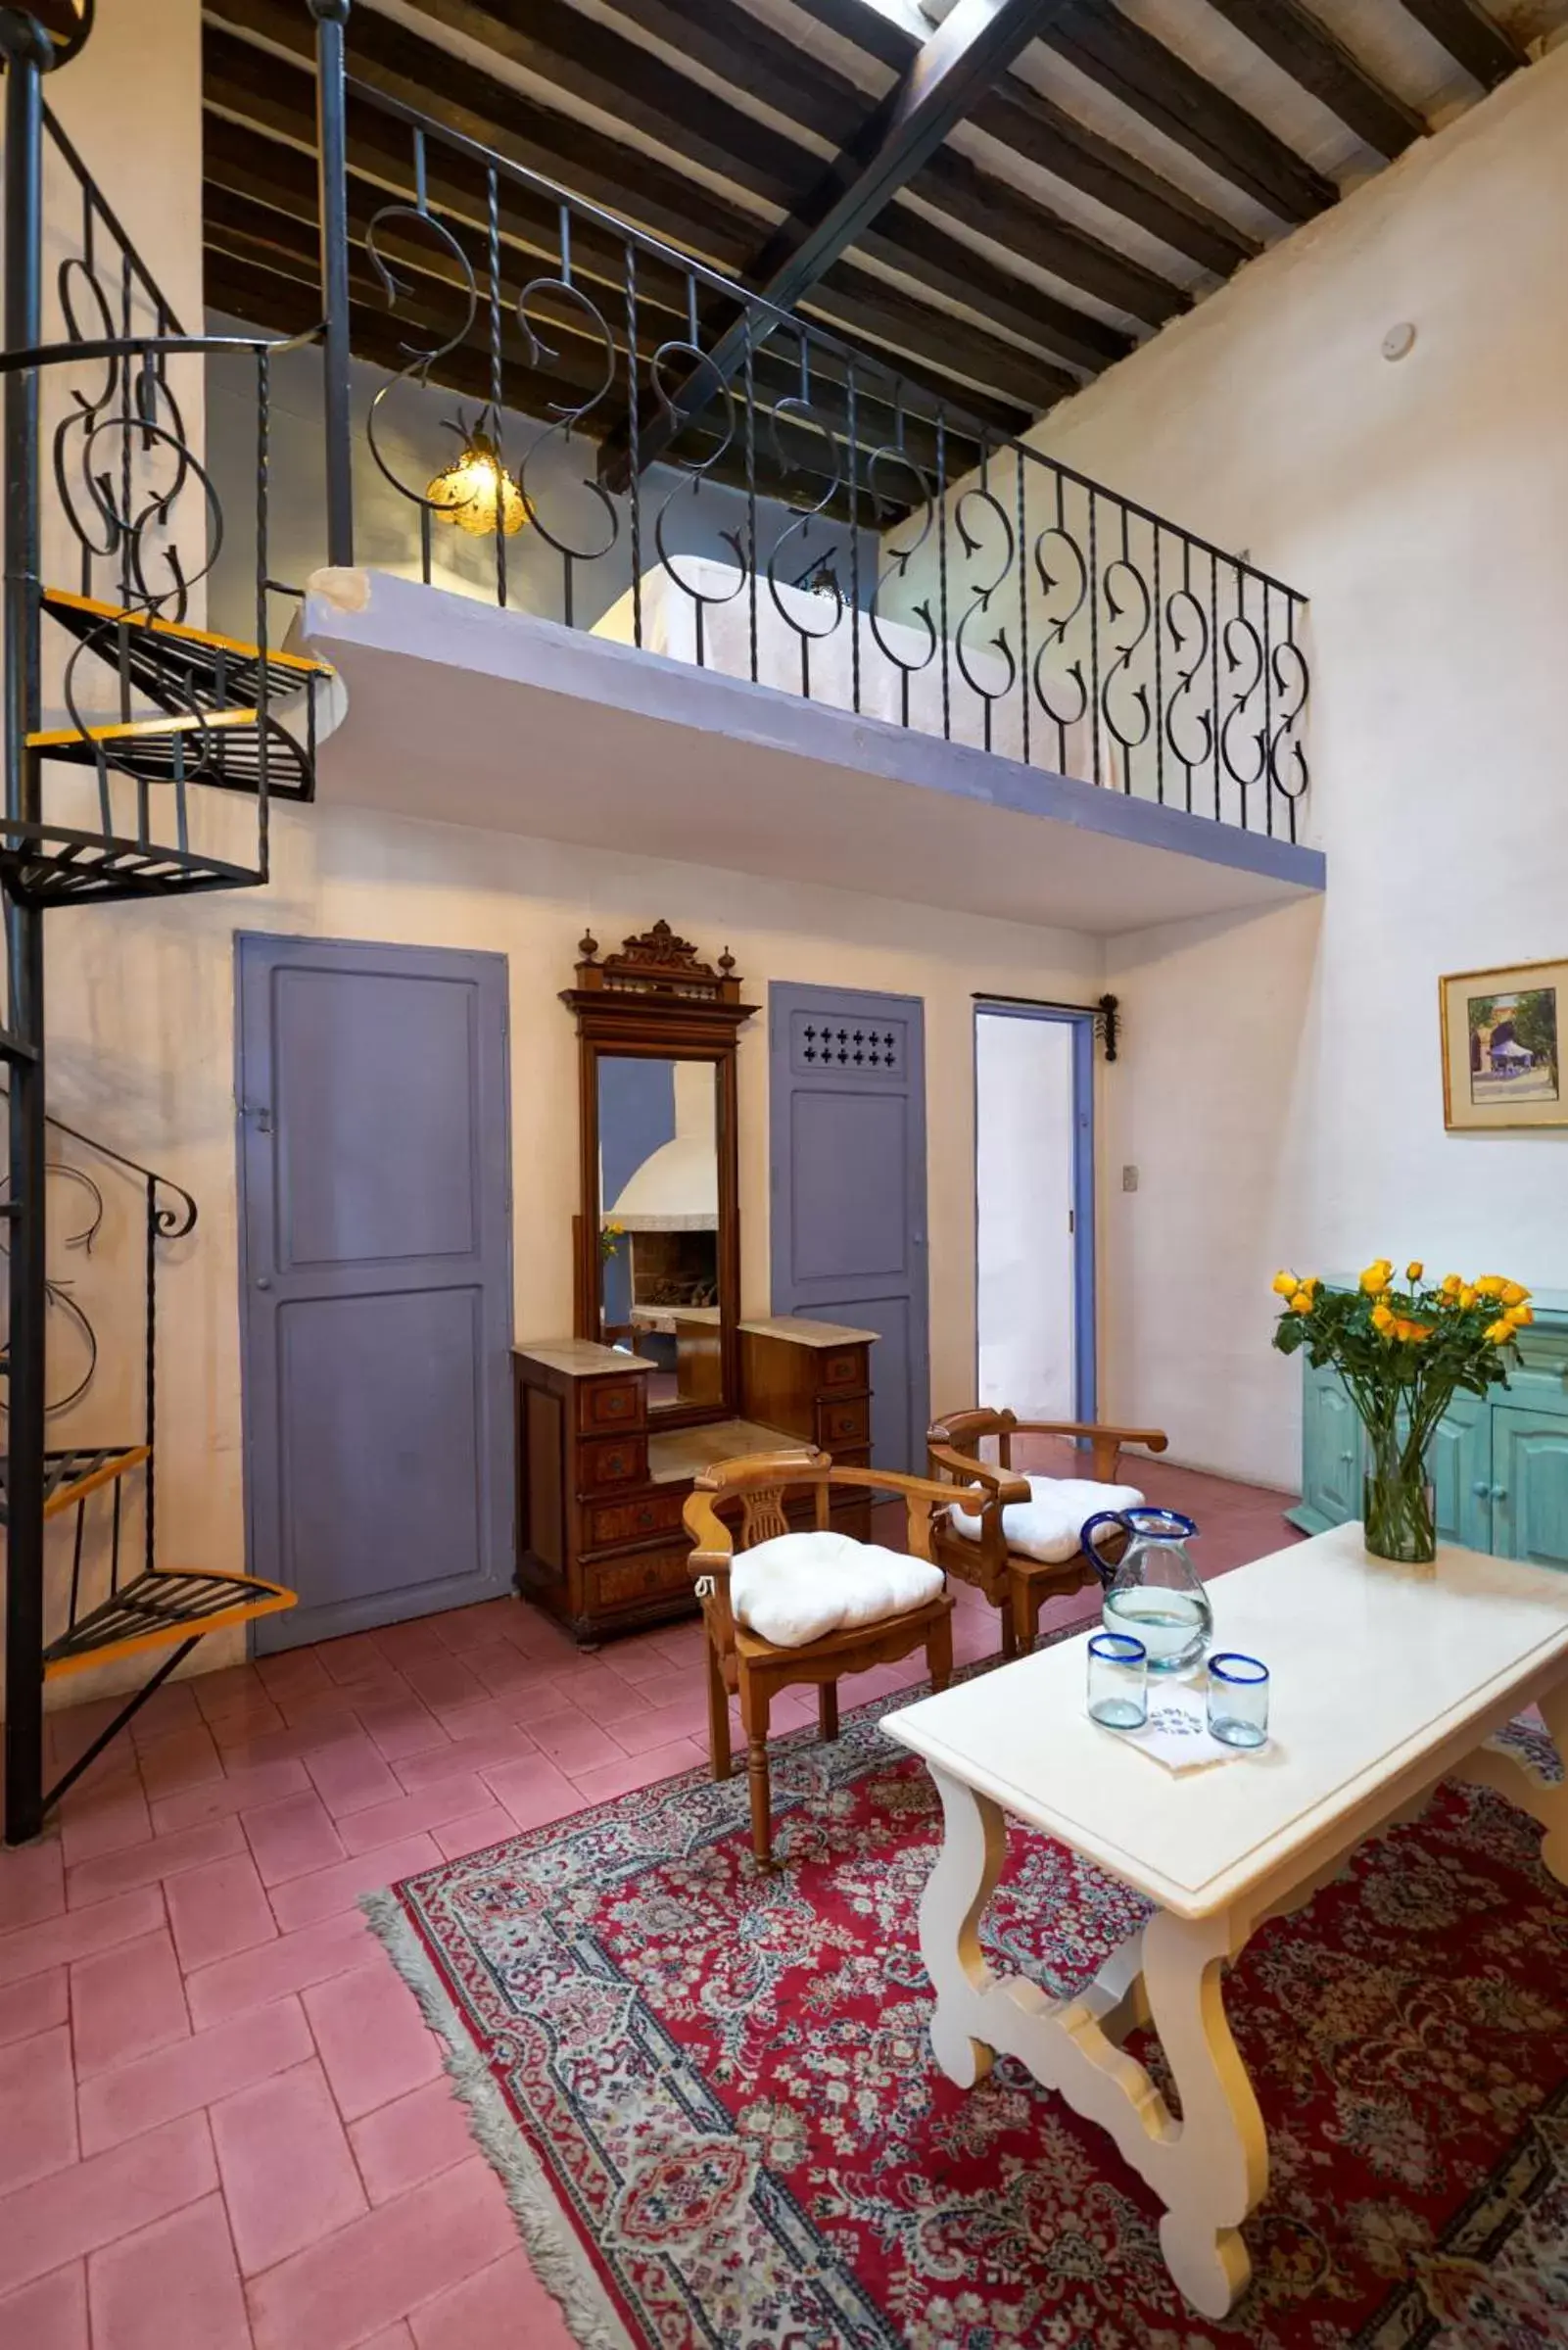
1281	1091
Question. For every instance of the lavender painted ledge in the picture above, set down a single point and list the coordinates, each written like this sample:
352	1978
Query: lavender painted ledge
821	795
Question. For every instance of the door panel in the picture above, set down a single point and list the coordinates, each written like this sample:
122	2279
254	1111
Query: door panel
845	1150
1333	1451
848	1159
1530	1486
1459	1462
376	1279
353	1053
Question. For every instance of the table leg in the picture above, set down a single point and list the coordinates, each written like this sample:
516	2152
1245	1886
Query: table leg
973	1847
1215	2165
1511	1777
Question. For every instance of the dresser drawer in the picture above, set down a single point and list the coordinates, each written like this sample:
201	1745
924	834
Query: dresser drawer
609	1404
616	1583
849	1423
631	1521
612	1461
847	1367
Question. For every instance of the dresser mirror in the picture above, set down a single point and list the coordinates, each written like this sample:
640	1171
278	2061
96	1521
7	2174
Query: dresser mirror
657	1237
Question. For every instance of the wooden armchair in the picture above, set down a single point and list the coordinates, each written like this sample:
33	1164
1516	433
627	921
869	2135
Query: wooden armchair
741	1662
1016	1584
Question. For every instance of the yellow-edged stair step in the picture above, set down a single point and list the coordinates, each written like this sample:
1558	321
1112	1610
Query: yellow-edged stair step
164	1609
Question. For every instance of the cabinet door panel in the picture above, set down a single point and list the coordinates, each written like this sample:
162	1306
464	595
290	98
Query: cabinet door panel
1331	1480
1458	1462
1530	1487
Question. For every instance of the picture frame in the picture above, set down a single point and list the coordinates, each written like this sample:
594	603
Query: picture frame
1504	1031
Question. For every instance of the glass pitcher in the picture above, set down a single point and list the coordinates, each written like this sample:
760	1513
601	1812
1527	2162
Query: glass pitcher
1154	1592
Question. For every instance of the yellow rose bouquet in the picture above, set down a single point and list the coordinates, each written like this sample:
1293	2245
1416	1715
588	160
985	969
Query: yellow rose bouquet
1404	1352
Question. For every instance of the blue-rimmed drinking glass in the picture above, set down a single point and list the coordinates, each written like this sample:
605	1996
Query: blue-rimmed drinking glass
1238	1699
1119	1681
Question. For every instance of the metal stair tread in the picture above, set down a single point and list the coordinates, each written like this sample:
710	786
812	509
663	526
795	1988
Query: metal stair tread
162	1609
71	1474
81	614
49	864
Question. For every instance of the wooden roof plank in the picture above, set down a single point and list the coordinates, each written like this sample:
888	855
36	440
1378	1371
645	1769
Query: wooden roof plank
1304	48
1162	87
1021	117
1472	38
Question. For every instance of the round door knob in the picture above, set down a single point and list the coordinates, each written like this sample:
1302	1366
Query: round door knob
1482	1490
1500	1493
263	1281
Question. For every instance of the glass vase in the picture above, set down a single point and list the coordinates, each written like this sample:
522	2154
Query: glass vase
1397	1504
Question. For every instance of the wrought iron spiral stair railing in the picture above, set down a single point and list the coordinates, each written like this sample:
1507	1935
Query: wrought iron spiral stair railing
187	706
153	705
117	1605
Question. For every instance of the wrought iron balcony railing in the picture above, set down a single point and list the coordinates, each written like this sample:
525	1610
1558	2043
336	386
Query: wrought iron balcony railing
714	477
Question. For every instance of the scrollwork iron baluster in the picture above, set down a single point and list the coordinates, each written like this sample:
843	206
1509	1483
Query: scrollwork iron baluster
1126	592
568	416
1057	618
984	501
1244	660
682	358
797	407
892	456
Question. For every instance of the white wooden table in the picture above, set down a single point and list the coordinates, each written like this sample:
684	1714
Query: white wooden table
1385	1680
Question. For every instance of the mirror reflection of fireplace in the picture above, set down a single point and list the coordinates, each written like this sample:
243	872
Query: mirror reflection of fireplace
660	1223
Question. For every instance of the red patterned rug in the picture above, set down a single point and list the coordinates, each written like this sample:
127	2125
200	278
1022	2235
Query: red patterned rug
712	2101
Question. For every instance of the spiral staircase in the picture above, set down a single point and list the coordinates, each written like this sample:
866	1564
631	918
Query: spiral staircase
121	795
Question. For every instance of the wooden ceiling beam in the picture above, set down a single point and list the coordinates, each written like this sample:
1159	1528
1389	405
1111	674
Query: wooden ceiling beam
1020	116
734	46
851	302
1167	93
258	90
599	67
993	208
907	241
266	222
623	180
949	71
1314	57
1472	38
239	158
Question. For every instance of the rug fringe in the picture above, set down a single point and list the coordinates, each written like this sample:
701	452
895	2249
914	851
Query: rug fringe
557	2257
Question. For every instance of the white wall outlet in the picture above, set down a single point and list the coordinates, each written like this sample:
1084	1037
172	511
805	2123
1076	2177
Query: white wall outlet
1129	1179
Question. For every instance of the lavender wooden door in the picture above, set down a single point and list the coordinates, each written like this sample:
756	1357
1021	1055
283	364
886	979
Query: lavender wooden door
848	1172
375	1278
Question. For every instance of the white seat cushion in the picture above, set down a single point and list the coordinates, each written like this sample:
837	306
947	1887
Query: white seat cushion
800	1587
1047	1526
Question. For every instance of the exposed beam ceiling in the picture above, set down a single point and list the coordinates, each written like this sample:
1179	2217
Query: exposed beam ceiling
1482	46
1004	228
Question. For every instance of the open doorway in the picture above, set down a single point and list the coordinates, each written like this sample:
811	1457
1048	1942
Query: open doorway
1034	1211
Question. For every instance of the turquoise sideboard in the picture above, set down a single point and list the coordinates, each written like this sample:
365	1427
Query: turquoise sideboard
1499	1468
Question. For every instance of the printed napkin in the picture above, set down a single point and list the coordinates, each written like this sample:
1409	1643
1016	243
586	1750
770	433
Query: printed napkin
1176	1731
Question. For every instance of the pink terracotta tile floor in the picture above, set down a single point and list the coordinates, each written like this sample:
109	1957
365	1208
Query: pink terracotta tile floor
225	2126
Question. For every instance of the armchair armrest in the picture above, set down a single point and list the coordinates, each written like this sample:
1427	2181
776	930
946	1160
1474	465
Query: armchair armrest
1107	1441
712	1555
924	1496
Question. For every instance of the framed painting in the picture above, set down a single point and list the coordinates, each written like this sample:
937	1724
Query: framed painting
1502	1035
